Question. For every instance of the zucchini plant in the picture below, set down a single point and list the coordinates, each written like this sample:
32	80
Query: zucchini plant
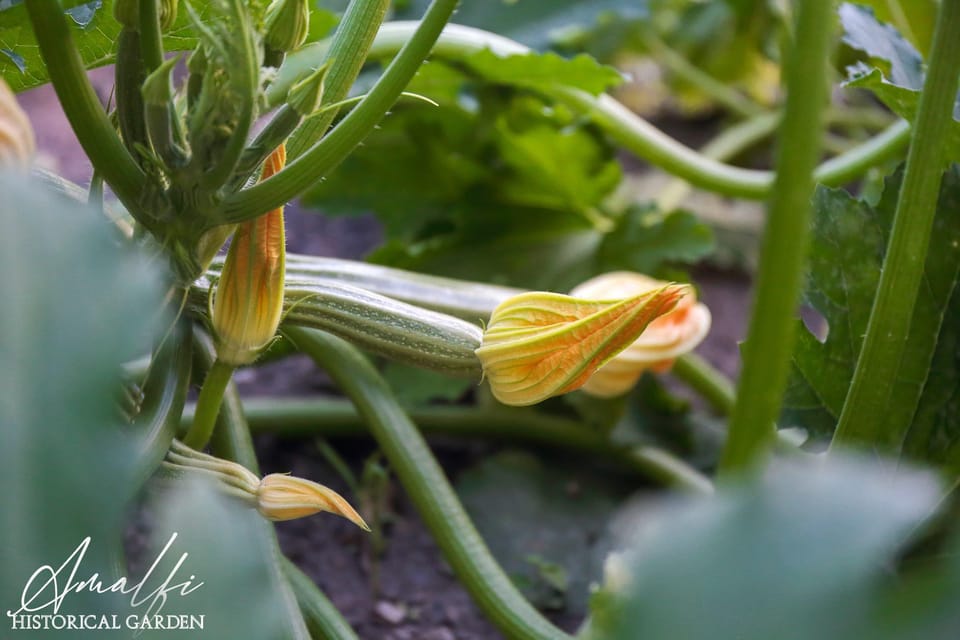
514	269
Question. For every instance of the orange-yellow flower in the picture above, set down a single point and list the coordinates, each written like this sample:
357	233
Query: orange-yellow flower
248	303
656	349
539	345
283	497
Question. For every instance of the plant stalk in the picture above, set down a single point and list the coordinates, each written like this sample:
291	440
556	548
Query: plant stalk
773	323
331	150
622	125
346	55
863	418
208	405
80	103
327	417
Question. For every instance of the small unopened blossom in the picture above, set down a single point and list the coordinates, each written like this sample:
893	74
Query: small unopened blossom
248	303
287	24
539	345
284	497
277	496
17	144
669	336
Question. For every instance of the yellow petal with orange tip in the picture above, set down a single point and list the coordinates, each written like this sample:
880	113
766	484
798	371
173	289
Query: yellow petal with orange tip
656	349
248	303
539	345
284	497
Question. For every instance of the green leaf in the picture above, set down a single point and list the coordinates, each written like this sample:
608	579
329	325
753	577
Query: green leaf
551	168
897	75
95	33
796	554
914	19
848	243
545	523
544	71
538	24
645	239
75	305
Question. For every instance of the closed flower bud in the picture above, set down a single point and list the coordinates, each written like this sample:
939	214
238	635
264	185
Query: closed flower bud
248	303
539	345
16	135
283	497
656	349
305	96
287	23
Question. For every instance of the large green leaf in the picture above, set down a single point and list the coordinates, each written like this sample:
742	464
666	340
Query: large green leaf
75	305
538	24
501	185
896	75
549	535
848	243
95	33
795	555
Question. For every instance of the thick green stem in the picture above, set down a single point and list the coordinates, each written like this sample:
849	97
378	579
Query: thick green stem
346	55
165	393
425	482
208	405
773	323
80	103
625	127
727	144
708	381
129	75
151	42
330	418
863	416
342	139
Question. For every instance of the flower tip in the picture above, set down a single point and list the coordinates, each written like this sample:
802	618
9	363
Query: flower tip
284	497
539	344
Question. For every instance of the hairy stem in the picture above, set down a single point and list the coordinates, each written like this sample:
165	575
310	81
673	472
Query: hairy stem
80	103
342	139
208	405
863	418
346	55
773	322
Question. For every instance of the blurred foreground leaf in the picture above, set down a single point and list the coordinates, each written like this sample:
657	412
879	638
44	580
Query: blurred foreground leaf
798	554
229	551
74	306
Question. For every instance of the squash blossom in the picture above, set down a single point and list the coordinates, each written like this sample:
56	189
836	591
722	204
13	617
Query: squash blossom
248	303
539	345
16	135
284	497
277	496
669	336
